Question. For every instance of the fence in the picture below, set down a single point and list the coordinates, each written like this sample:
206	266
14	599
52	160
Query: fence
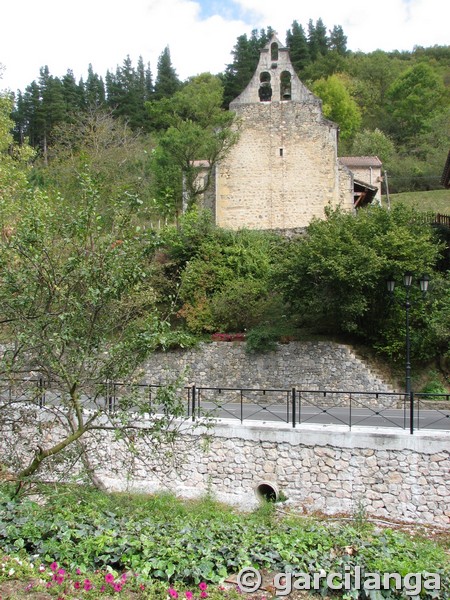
294	406
437	219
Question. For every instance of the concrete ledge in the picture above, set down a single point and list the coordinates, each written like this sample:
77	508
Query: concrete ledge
380	438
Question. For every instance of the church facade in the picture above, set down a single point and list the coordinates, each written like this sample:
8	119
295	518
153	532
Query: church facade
284	169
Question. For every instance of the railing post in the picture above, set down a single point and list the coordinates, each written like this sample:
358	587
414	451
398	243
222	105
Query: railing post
41	393
350	413
193	401
411	413
294	402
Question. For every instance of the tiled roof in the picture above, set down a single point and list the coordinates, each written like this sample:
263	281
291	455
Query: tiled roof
360	161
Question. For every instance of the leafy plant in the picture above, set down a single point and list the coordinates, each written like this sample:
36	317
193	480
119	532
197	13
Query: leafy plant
164	539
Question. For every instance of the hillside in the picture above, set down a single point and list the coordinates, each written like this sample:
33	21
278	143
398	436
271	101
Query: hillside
432	201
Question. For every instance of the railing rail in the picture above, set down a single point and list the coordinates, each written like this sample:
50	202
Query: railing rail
294	405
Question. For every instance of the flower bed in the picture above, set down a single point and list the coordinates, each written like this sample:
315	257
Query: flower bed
228	337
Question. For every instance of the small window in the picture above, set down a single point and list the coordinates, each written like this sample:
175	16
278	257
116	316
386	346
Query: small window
281	152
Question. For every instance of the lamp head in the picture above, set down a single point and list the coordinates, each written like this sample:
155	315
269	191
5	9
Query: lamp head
407	279
423	282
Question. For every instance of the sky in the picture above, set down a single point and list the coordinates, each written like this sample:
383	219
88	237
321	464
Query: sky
200	33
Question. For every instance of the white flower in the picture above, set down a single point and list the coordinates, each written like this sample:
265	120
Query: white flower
11	572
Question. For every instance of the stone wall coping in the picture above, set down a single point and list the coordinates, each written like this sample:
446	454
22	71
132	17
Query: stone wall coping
375	438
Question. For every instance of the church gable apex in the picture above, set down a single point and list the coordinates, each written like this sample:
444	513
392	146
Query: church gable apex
275	79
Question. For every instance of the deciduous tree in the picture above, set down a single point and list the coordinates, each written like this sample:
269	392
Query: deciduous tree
76	309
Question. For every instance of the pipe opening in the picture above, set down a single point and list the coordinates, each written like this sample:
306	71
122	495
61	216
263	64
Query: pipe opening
266	491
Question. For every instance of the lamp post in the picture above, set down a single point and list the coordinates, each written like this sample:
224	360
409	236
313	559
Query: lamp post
407	280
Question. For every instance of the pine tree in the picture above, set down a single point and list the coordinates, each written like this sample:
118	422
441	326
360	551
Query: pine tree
32	114
338	41
317	39
73	95
298	47
94	89
167	82
20	119
245	60
53	106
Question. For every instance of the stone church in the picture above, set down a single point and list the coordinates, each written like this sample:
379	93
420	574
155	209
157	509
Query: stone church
284	169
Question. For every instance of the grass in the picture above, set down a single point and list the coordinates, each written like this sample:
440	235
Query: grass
437	201
160	541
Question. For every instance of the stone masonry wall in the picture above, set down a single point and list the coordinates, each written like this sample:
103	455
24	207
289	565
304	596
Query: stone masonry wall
303	365
384	473
387	475
283	171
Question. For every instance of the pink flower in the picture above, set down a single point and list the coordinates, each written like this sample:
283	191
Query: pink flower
109	578
41	568
59	579
189	595
49	585
202	586
203	594
61	571
54	566
142	587
87	585
173	593
102	589
117	587
77	585
78	572
124	577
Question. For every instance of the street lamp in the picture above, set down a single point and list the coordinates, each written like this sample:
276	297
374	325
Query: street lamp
407	281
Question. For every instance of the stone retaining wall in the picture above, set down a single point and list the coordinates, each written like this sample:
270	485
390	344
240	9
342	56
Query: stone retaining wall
382	473
332	470
305	365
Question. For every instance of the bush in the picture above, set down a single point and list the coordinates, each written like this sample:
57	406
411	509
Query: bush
262	339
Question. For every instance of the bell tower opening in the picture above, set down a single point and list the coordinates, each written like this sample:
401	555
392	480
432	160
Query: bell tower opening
285	86
274	51
265	87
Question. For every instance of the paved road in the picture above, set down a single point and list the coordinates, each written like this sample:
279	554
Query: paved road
389	417
278	413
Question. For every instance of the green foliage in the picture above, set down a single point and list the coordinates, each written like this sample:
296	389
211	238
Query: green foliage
338	104
14	161
202	541
245	59
127	91
432	202
433	386
334	278
78	310
194	128
262	339
374	143
99	142
167	82
415	97
298	47
225	285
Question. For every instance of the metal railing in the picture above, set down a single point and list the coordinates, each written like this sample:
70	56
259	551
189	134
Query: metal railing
294	406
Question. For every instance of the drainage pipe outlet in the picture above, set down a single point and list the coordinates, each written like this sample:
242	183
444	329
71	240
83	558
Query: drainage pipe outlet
267	491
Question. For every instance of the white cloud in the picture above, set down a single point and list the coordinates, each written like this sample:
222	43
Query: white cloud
67	35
